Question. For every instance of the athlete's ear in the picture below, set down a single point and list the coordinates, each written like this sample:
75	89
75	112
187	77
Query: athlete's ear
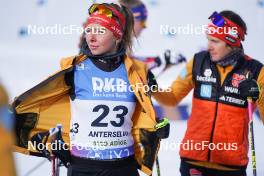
118	41
229	46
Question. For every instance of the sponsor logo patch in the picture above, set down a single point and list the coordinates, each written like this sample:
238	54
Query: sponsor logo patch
232	100
231	90
206	91
236	79
207	72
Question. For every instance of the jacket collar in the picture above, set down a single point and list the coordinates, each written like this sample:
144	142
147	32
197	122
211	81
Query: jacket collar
78	59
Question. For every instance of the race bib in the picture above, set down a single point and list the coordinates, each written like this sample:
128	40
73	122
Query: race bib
101	113
101	129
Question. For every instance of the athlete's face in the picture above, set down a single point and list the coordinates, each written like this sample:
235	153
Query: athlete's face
100	40
138	27
217	48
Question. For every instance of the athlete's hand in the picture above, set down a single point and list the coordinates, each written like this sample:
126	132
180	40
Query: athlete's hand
163	128
152	82
158	61
61	150
249	89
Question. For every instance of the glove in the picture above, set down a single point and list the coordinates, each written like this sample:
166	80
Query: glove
158	61
249	89
61	150
173	58
167	57
152	82
41	138
163	128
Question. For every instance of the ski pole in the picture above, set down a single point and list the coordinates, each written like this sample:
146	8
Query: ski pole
53	169
55	165
158	166
252	142
160	125
54	132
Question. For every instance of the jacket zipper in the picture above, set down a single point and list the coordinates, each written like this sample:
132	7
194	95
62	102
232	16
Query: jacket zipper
218	85
218	82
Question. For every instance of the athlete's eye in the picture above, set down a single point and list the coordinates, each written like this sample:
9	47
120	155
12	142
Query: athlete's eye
88	31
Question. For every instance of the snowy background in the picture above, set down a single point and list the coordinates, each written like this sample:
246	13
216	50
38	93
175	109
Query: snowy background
26	59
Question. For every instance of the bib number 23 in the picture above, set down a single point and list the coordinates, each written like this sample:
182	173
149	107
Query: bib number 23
121	112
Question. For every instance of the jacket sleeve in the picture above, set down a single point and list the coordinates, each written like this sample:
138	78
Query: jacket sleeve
260	102
7	166
179	88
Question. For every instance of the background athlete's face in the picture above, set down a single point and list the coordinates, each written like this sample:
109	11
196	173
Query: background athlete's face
217	48
138	27
100	40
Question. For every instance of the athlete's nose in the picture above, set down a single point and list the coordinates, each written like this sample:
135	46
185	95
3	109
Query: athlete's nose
210	46
92	38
